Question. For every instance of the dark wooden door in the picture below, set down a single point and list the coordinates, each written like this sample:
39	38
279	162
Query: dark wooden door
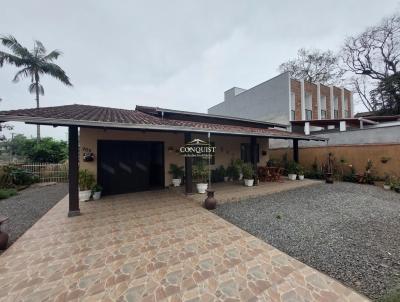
130	166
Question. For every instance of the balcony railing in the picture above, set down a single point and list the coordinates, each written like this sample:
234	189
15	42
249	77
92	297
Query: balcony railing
336	114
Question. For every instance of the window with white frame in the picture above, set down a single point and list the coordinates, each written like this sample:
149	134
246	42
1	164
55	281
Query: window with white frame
322	102
308	106
336	107
292	106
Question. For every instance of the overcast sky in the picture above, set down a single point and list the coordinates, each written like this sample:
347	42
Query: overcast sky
175	54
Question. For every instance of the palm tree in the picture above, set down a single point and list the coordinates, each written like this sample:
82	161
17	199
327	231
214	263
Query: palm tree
34	63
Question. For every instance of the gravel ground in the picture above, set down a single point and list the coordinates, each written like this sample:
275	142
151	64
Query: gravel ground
28	206
349	231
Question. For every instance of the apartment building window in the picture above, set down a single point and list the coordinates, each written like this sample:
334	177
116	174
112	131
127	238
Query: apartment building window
292	106
308	106
322	102
335	107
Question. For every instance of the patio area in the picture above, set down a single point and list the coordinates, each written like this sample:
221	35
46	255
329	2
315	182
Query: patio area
153	246
236	191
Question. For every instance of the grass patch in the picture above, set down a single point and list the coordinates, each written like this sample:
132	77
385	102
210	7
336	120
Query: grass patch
6	193
392	296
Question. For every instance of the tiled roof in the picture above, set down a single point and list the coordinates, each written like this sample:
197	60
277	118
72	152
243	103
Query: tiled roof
85	115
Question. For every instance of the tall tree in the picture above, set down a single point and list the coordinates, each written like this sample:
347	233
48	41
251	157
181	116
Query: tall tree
34	64
314	65
373	57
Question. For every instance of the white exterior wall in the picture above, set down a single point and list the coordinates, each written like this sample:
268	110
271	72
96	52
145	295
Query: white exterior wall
268	101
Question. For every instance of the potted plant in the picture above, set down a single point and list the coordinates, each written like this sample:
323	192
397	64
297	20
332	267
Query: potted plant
200	175
96	191
292	170
238	165
86	182
300	172
248	174
223	173
177	173
329	170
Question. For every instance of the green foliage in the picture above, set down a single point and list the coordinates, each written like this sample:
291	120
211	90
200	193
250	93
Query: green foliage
315	172
86	180
6	193
234	169
248	171
392	296
47	150
200	172
351	176
218	174
300	169
15	176
97	188
176	171
292	167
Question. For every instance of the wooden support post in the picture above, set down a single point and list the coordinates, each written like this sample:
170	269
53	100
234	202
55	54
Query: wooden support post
253	151
188	168
296	150
73	171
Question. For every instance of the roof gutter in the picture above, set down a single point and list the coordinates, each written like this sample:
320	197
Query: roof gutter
68	122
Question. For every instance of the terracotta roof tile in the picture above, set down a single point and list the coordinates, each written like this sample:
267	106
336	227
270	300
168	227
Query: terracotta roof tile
123	117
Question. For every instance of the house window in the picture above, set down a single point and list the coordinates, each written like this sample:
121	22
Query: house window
322	102
346	114
292	106
308	106
245	153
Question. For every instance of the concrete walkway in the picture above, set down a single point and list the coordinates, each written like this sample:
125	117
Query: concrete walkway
153	246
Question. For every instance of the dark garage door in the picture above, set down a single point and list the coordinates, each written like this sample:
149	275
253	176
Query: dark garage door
130	166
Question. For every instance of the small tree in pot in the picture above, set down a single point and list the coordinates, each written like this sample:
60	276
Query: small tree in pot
300	172
86	182
292	170
96	192
200	175
177	173
248	174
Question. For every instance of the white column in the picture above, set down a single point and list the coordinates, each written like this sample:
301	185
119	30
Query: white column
318	101
351	105
303	98
332	103
343	103
342	125
307	128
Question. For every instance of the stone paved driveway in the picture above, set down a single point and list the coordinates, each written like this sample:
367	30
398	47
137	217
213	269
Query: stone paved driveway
153	246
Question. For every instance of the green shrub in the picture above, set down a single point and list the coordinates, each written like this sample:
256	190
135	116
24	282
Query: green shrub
86	180
218	174
292	167
176	171
248	171
6	193
200	172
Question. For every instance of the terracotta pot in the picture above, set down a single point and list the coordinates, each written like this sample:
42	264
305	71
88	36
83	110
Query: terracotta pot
329	178
210	203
